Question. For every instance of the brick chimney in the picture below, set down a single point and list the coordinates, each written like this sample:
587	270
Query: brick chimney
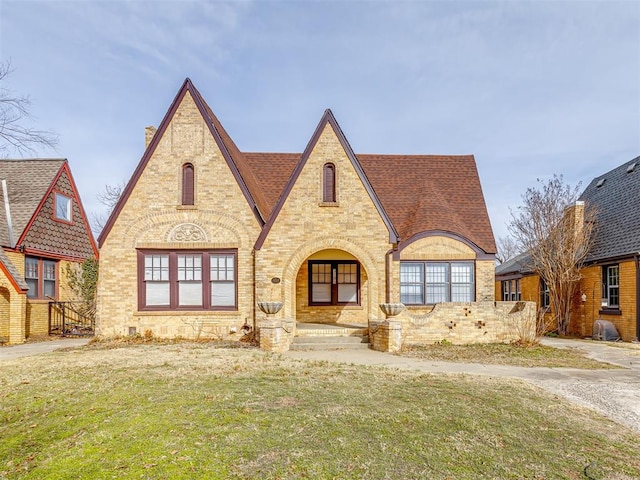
149	132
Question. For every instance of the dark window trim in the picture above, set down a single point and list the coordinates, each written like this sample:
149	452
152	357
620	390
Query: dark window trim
188	184
329	183
334	284
449	283
55	207
40	278
508	292
545	295
606	289
173	280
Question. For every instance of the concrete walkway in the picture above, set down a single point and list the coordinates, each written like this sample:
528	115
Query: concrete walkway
613	393
29	349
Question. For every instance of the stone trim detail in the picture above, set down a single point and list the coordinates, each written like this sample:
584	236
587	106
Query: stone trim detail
187	232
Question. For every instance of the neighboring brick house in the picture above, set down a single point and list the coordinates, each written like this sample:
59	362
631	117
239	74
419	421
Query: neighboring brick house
43	227
610	287
204	231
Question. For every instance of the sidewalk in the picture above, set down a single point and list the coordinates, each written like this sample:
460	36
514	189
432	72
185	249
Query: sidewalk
29	349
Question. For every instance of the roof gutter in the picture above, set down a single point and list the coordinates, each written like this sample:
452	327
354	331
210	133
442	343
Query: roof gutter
7	209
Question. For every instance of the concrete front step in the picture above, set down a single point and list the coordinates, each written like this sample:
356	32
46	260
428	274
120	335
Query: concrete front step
301	346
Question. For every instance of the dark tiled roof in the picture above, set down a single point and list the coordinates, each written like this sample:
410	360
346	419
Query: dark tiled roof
518	264
617	204
27	183
12	271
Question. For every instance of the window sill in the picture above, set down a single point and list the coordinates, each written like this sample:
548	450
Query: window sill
610	311
173	313
186	207
329	204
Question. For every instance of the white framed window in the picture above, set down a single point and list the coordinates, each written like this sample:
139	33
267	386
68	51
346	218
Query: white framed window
62	207
436	282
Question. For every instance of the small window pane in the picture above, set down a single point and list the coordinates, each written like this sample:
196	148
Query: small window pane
190	293
49	289
157	293
63	207
223	294
33	287
348	293
321	292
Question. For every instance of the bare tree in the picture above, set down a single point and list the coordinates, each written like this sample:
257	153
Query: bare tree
507	248
109	197
555	230
14	112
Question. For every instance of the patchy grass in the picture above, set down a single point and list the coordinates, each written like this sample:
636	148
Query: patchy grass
505	354
187	411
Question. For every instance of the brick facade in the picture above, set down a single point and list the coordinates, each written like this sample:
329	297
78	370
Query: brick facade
272	259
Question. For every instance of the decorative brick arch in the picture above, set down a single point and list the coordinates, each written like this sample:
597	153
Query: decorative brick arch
208	222
303	252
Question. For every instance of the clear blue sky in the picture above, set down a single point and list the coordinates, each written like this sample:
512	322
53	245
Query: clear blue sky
530	88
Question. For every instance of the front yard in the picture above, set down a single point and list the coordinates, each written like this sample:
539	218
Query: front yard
197	411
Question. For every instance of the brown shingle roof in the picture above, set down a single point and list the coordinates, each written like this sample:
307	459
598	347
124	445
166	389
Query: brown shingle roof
419	192
431	192
27	182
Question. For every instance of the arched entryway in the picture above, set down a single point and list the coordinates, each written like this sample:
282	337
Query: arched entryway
332	287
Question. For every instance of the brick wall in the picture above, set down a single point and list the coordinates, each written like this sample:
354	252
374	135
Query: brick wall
306	226
153	211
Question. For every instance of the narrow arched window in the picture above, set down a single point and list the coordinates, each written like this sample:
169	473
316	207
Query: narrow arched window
187	184
329	183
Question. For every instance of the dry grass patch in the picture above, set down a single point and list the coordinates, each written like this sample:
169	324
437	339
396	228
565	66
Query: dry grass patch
191	411
506	354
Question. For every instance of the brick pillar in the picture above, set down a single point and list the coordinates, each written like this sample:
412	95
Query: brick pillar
386	336
275	335
17	318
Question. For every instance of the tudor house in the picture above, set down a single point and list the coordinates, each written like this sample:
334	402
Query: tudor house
203	231
43	228
610	285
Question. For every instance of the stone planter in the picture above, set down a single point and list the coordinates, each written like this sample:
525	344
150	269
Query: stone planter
270	308
391	309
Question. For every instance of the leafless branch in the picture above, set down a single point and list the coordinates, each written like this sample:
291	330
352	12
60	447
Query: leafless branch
556	232
14	112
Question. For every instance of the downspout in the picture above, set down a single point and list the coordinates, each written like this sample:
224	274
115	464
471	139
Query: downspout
8	212
636	260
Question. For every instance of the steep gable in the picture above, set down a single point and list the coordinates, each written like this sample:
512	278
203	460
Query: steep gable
230	152
27	183
614	195
47	234
328	126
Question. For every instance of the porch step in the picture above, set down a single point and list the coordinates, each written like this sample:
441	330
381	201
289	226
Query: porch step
311	336
334	342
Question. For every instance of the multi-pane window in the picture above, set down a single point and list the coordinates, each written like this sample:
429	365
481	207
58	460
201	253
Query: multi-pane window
62	207
223	286
334	282
187	280
436	282
545	299
611	285
40	275
156	280
511	290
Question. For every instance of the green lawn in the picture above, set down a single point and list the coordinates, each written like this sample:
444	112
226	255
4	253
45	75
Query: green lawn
505	354
196	411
